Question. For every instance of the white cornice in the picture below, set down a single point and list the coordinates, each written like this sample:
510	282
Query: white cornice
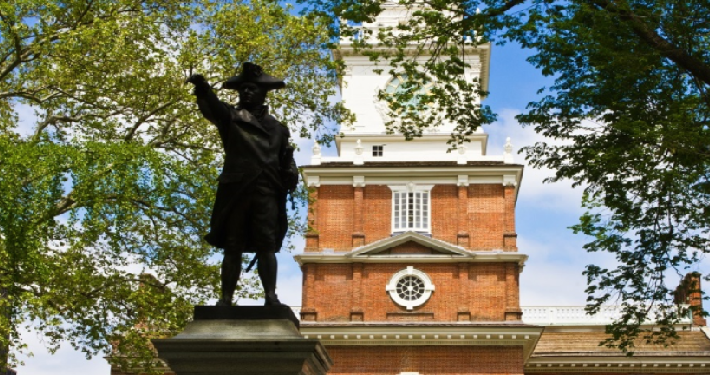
479	257
305	258
448	253
463	334
373	169
510	174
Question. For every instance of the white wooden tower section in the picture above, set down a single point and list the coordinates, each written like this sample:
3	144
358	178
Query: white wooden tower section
367	141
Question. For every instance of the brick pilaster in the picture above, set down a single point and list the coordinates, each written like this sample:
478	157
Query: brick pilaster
356	314
358	228
463	238
308	297
312	237
512	292
509	235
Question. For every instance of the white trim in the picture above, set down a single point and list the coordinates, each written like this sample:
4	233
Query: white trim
510	174
462	180
398	180
313	181
449	171
422	334
386	243
309	257
448	253
358	181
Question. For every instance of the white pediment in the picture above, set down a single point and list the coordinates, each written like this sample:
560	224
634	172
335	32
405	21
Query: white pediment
437	247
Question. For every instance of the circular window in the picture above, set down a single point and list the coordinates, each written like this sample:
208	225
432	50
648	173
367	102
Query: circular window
410	288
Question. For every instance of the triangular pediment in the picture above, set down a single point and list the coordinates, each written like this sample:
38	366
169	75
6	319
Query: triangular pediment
412	244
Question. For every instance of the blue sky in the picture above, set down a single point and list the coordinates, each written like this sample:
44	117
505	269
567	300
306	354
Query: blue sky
553	274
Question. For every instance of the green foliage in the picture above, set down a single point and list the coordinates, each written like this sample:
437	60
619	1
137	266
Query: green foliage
630	105
115	179
637	126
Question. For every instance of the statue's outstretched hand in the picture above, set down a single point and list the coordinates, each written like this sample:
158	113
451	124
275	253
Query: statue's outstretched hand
196	79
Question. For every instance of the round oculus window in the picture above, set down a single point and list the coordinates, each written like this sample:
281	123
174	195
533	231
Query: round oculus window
410	288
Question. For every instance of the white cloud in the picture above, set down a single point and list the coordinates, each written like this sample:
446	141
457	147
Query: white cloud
66	361
558	195
553	274
27	119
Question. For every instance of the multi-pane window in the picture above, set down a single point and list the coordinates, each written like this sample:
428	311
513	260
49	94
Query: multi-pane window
378	150
411	211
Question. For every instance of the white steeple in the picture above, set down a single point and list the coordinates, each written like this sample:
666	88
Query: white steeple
366	140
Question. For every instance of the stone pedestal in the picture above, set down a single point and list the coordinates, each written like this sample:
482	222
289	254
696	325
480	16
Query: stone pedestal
243	340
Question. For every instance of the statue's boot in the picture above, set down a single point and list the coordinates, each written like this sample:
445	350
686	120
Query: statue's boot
272	300
222	302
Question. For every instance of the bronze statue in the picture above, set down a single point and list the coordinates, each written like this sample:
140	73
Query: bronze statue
249	214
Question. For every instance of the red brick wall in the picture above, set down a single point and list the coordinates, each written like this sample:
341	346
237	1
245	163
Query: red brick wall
486	220
444	212
377	212
334	217
427	360
486	216
464	292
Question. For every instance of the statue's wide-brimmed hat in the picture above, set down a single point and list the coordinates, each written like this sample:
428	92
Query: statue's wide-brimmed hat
252	73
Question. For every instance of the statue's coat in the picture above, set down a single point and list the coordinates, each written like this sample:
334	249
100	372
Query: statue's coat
253	148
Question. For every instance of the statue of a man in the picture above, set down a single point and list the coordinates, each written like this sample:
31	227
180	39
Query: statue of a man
249	214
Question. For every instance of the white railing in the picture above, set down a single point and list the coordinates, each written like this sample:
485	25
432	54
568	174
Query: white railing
576	315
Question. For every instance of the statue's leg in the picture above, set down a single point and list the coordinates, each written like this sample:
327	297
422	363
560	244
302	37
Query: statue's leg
231	271
267	269
265	234
232	261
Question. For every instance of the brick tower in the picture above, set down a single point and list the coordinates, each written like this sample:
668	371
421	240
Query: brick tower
411	264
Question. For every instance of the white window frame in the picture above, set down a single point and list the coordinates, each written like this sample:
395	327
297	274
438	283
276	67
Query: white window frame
411	208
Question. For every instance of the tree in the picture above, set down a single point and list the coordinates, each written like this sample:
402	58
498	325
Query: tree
116	176
630	101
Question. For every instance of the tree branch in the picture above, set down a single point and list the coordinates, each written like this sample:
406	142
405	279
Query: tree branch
52	120
649	36
145	117
495	12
